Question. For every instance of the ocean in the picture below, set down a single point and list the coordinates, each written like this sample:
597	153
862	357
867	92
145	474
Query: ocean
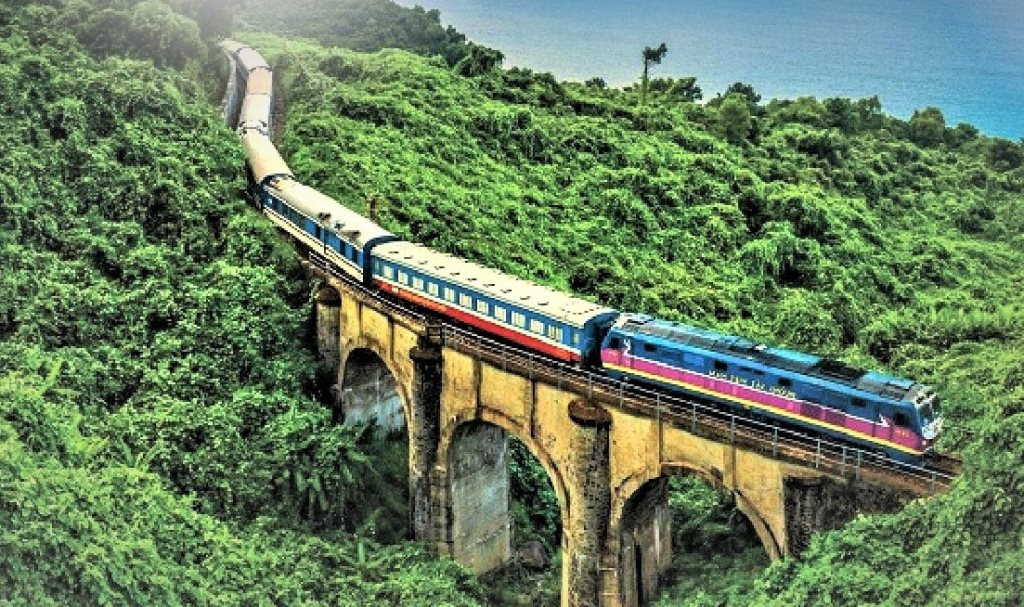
964	57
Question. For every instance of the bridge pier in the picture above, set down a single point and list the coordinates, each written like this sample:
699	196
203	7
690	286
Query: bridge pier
327	316
815	505
645	543
586	528
424	440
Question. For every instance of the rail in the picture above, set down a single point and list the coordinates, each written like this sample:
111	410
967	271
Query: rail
700	418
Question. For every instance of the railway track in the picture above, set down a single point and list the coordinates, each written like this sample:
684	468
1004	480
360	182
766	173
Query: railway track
695	416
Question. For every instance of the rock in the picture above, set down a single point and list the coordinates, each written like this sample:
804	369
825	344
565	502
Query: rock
531	555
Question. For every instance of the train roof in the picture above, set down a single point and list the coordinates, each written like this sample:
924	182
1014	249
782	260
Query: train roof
251	59
523	293
341	220
255	108
231	46
825	369
260	82
264	158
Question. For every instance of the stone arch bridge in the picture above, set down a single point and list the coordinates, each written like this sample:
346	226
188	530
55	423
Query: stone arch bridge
607	447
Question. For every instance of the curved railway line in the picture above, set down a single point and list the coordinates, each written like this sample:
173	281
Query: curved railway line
703	418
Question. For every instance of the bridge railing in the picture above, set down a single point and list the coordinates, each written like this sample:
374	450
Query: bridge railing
773	439
701	418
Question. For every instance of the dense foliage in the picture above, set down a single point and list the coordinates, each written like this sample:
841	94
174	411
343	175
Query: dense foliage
819	224
362	25
159	443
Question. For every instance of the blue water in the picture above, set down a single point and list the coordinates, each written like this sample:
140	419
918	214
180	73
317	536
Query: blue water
964	57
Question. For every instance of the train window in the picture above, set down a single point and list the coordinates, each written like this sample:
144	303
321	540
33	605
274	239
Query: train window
858	402
519	319
403	277
449	294
721	366
501	313
785	382
537	326
576	338
319	232
555	333
650	348
465	301
389	272
417	283
433	289
615	343
900	419
483	307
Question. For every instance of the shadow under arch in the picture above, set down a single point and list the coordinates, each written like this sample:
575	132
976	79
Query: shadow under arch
371	390
479	522
645	529
370	394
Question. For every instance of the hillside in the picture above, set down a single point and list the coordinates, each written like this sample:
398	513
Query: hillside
160	438
818	224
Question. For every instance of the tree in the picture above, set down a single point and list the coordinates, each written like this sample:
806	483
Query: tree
744	89
480	60
735	118
927	127
596	83
652	56
676	89
1005	155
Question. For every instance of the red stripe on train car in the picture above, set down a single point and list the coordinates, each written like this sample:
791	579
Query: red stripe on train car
495	329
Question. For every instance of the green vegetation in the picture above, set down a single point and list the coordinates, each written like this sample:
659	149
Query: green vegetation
717	556
819	224
362	25
160	439
159	444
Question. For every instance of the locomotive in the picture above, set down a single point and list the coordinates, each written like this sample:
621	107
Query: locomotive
888	415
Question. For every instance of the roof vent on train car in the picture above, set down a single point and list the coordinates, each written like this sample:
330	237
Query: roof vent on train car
837	369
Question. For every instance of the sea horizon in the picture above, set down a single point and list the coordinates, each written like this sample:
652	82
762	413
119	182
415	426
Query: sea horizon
967	59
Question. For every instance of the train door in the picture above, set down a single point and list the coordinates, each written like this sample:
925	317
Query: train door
617	352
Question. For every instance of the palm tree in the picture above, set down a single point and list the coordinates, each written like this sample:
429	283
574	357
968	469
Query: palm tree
652	56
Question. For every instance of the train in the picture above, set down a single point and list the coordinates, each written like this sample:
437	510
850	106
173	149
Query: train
892	417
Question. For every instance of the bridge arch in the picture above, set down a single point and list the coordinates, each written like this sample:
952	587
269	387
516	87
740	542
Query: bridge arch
641	528
474	452
369	391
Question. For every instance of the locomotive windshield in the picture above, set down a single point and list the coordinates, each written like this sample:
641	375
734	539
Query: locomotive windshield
927	407
928	411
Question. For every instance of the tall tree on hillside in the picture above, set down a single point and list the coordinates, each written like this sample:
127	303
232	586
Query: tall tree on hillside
652	56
